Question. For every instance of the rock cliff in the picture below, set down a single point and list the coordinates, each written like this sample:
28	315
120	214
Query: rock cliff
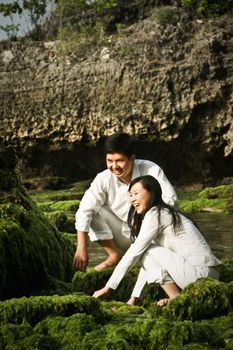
170	85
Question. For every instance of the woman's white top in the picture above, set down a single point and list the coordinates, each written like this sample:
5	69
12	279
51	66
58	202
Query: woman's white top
186	241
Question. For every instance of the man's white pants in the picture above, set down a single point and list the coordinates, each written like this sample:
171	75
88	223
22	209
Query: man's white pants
105	226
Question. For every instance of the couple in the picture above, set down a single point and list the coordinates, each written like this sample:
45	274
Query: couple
168	246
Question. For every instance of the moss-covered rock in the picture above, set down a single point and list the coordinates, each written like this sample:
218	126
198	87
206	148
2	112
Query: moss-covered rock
226	270
206	298
31	248
59	218
33	309
71	193
67	332
63	222
11	334
78	321
213	199
91	280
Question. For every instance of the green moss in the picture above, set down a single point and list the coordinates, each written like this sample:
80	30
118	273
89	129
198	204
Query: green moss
119	337
205	298
32	250
82	322
92	280
204	204
10	334
219	192
166	15
59	218
67	330
34	309
151	293
121	307
210	199
226	270
36	342
64	222
45	207
57	195
71	205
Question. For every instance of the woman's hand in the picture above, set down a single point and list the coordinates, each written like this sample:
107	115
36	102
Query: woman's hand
101	293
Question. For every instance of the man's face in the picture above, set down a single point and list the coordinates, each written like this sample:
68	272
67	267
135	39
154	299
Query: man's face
120	165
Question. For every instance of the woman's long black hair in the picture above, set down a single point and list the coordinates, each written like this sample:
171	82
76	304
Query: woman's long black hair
153	187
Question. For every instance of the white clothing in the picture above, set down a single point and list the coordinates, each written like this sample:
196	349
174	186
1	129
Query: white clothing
106	225
106	190
157	261
104	208
186	253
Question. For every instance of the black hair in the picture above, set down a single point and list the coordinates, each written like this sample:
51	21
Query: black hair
120	142
151	185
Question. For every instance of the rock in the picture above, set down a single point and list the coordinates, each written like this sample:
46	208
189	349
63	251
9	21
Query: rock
32	249
169	85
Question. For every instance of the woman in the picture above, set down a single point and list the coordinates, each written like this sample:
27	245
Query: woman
169	247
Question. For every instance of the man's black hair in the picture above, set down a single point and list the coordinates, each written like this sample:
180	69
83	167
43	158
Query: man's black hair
120	142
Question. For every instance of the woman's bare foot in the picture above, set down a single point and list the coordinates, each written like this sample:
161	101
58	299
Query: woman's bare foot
163	302
109	262
132	301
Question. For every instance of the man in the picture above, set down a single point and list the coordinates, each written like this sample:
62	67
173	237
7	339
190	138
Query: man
103	210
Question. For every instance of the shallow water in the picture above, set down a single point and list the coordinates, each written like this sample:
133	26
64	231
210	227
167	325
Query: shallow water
217	228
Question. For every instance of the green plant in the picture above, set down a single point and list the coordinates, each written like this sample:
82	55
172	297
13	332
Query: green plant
208	7
166	15
80	36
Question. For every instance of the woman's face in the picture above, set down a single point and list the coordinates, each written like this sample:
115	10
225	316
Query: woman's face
139	198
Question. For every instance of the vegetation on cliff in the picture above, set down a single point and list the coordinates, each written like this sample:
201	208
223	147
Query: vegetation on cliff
91	18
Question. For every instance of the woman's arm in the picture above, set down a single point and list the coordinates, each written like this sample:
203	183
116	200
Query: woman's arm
149	230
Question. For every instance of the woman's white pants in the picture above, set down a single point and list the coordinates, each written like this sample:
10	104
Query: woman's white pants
163	266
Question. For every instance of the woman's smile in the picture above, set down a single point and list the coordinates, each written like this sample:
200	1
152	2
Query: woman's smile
139	197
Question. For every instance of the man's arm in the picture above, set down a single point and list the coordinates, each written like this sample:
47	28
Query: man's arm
168	192
92	200
80	260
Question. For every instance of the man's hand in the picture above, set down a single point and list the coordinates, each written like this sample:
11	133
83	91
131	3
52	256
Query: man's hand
101	293
80	260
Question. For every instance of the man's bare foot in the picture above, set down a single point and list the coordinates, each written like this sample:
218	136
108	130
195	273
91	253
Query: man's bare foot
163	302
109	262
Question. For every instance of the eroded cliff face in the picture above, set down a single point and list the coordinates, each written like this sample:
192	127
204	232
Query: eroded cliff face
170	85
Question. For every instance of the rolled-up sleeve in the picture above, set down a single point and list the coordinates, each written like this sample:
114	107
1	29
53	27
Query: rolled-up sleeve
91	203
